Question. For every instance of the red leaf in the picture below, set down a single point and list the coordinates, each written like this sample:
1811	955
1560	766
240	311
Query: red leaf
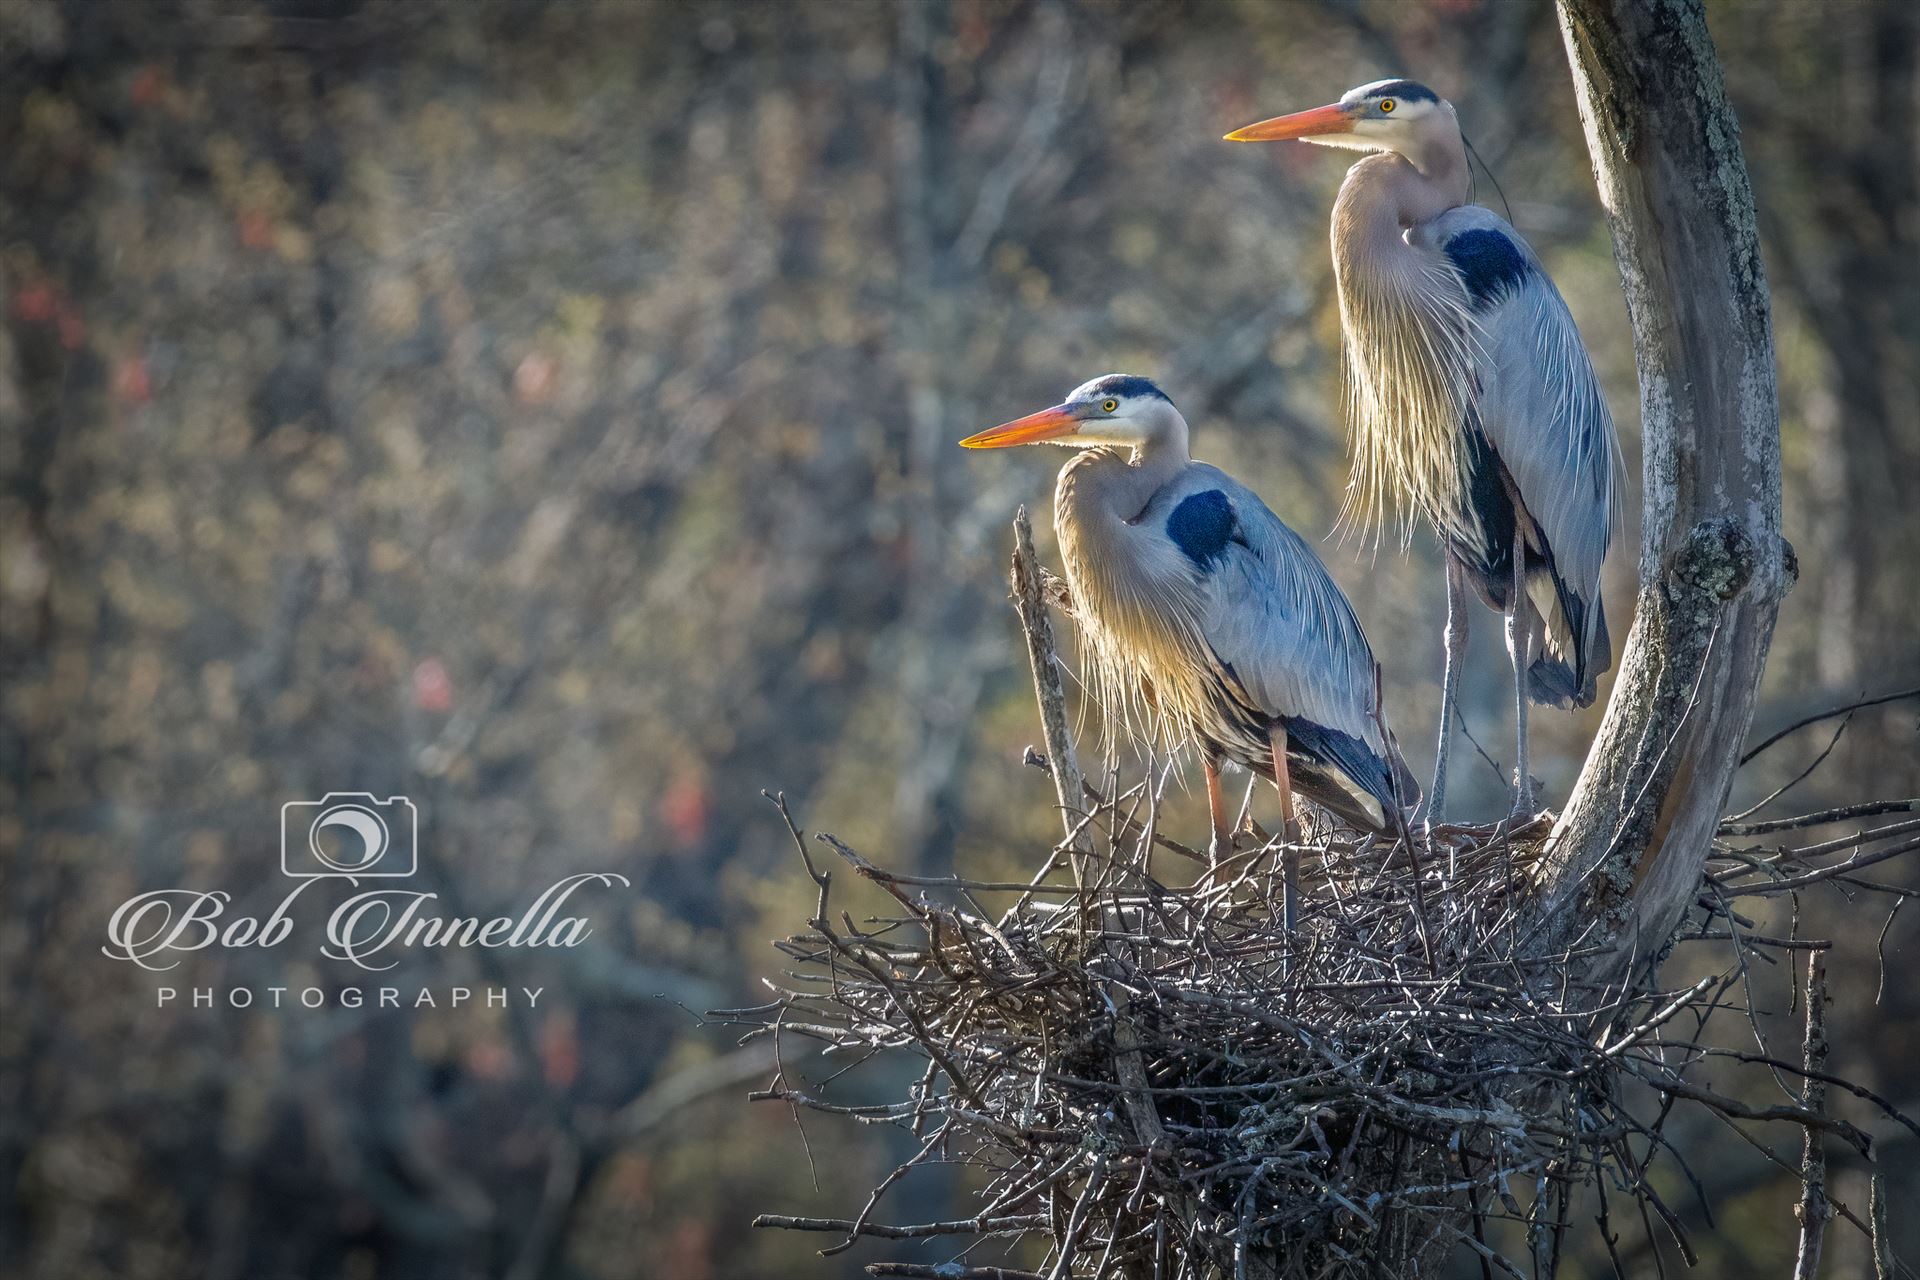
560	1050
490	1059
256	229
73	330
36	304
534	378
432	689
148	84
131	381
684	809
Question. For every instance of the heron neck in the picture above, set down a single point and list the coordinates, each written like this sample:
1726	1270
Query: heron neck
1158	461
1409	359
1386	193
1109	485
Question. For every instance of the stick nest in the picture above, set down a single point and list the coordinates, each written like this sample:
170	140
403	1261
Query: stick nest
1162	1080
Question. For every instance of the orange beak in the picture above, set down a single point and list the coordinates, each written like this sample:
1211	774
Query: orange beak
1317	123
1048	424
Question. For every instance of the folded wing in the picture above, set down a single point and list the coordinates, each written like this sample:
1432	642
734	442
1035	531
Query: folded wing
1542	450
1287	649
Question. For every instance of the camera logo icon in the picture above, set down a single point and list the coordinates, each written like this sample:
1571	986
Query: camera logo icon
349	833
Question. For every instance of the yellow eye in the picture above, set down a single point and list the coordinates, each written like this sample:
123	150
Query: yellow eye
1108	406
1386	106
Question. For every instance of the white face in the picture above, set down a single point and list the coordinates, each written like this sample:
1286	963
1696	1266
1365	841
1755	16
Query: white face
1383	121
1109	418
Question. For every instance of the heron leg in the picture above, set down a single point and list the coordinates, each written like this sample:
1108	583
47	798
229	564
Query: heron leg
1449	686
1222	845
1289	851
1520	646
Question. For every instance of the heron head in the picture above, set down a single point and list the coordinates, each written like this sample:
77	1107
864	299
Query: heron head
1115	409
1388	115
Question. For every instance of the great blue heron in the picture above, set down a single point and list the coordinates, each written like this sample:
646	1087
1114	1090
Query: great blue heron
1471	396
1186	586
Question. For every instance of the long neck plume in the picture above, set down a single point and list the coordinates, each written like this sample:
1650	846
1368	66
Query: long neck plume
1410	337
1133	632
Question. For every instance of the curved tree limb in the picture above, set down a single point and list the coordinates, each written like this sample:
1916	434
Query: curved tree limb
1629	849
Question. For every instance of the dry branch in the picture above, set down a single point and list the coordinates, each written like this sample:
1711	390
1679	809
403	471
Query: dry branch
1069	784
1814	1210
950	1271
1846	709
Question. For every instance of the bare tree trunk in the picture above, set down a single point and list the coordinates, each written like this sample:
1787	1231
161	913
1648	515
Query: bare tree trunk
1629	849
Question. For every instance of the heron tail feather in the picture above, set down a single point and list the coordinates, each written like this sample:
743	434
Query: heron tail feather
1571	647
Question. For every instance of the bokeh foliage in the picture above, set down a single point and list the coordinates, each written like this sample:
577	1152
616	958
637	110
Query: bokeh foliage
546	411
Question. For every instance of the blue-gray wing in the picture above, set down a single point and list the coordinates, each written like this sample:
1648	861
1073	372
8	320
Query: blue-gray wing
1282	629
1541	409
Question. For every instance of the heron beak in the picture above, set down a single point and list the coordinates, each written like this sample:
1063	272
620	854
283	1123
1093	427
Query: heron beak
1048	424
1317	123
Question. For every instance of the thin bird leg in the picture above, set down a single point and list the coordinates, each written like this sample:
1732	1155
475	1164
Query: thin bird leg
1222	845
1449	686
1520	646
1289	850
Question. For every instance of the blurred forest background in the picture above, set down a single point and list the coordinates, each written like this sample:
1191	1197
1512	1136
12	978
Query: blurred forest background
546	411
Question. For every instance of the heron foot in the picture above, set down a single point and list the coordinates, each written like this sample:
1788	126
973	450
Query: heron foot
1226	844
1524	804
1432	808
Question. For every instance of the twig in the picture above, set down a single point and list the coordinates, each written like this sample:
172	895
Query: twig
1798	725
1069	784
949	1271
1858	862
1813	1210
1860	1091
1063	1266
1735	1109
1883	1259
1799	777
966	1226
1825	817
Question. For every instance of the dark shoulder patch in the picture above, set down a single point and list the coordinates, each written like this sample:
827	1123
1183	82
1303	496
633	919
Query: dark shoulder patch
1489	263
1201	526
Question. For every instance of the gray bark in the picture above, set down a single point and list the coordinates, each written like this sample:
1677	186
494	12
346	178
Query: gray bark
1629	850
